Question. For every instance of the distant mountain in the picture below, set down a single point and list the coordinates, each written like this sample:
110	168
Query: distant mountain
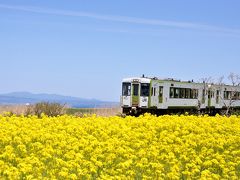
26	97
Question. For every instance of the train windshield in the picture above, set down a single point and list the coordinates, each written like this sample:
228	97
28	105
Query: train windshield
145	89
126	89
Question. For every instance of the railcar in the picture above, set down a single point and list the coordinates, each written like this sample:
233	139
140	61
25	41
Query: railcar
161	96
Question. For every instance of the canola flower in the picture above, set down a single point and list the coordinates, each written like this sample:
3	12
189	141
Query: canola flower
145	147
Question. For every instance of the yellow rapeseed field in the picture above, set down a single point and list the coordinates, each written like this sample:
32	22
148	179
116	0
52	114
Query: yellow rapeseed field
146	147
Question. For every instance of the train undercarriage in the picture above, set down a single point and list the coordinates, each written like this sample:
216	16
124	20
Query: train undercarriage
211	111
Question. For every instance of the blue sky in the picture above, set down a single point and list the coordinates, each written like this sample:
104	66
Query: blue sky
85	48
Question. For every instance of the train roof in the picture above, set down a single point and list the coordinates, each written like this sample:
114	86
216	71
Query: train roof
149	79
137	79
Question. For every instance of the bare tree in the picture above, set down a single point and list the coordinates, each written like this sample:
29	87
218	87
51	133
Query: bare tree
206	81
234	78
231	95
220	80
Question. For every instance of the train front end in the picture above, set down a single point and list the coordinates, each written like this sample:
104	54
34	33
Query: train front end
135	95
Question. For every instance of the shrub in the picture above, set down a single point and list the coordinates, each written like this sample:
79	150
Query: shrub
48	108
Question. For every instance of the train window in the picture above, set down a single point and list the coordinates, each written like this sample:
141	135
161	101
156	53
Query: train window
182	93
187	94
217	97
144	89
213	94
135	89
225	94
160	94
191	93
126	89
194	93
235	95
203	95
171	95
209	94
203	92
176	92
229	94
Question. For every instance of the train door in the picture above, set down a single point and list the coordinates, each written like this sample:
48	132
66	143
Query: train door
144	95
204	97
211	98
126	94
154	96
160	95
135	94
217	97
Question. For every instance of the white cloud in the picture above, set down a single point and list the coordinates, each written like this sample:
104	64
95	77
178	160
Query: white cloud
126	19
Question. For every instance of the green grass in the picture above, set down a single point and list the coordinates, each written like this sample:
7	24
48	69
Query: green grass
98	111
72	111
